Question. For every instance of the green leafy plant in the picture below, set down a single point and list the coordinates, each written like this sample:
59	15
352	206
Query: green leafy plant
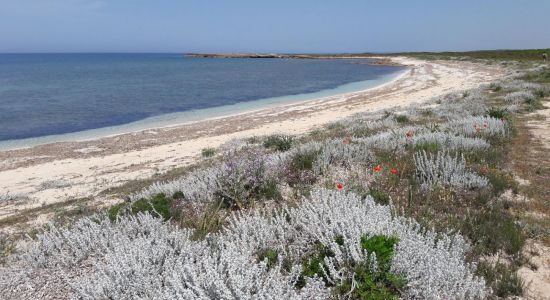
279	142
379	196
374	282
158	205
208	152
268	254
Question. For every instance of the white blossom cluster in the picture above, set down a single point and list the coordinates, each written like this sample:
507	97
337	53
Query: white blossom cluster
143	257
445	169
519	97
475	126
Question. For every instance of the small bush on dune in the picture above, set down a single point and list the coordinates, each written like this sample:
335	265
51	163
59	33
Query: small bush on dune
372	278
379	196
257	255
401	119
279	142
208	152
519	97
503	279
502	181
478	126
445	169
158	205
243	178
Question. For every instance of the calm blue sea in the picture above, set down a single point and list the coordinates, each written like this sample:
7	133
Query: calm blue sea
47	94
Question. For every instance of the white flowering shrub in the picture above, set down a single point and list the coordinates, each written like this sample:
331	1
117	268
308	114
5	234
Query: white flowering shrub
519	97
458	105
392	140
53	184
242	176
477	126
450	141
435	268
10	198
515	85
398	139
445	169
197	186
143	257
337	153
359	126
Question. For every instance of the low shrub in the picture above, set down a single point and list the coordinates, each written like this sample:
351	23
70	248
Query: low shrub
379	196
269	255
279	143
501	181
402	119
208	152
372	278
445	169
158	205
503	279
244	178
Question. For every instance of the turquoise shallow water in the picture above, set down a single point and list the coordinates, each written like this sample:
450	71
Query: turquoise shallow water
53	97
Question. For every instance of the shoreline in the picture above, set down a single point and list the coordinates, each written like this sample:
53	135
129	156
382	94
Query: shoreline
202	115
87	168
373	59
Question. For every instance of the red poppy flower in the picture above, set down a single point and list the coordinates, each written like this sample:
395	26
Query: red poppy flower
377	168
339	186
410	134
393	171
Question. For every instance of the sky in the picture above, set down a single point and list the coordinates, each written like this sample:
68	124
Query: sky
283	26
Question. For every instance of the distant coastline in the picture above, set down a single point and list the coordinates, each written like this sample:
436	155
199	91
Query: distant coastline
372	59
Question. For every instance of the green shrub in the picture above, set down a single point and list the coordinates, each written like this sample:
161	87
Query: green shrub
304	160
157	205
495	87
269	254
427	146
208	152
381	284
379	196
178	195
401	119
533	104
492	230
502	181
279	142
502	279
498	113
542	93
311	264
114	210
269	190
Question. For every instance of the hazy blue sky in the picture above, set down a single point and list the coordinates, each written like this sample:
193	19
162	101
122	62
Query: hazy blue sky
271	26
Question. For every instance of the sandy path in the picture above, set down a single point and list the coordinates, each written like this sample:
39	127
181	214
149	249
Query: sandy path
61	171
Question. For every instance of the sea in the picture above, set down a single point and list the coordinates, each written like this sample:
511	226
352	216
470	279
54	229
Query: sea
56	97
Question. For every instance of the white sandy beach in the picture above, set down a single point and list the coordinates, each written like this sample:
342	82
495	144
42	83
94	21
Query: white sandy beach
58	172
